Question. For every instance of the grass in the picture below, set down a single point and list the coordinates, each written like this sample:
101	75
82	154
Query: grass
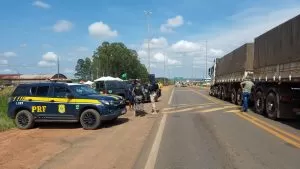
5	122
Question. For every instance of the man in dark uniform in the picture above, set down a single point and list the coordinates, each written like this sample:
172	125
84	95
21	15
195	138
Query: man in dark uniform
138	95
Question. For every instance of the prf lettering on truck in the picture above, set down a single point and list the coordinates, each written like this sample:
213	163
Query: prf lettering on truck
38	109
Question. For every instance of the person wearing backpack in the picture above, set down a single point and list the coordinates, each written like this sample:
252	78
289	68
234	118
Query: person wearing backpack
138	95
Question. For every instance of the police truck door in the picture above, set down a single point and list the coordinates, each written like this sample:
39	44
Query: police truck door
62	106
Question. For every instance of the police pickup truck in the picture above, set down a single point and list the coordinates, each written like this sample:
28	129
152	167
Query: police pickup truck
62	102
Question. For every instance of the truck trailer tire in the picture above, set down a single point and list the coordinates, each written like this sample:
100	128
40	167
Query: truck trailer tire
223	94
233	96
239	98
259	103
272	106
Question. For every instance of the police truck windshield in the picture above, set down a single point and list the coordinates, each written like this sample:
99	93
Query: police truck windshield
83	90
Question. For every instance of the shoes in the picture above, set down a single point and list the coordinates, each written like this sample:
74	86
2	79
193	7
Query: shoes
154	112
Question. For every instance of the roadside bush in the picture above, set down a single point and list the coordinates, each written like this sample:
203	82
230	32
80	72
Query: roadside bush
5	122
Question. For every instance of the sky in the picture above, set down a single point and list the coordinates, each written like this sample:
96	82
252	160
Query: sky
182	32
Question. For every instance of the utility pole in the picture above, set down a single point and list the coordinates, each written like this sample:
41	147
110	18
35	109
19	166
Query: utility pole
206	59
148	13
58	67
164	69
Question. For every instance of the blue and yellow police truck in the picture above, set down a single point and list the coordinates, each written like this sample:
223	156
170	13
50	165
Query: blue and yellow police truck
62	102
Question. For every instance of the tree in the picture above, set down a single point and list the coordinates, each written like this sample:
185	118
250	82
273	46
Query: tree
79	69
112	59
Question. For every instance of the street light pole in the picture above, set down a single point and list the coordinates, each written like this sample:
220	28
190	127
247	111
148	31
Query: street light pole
148	13
206	59
164	69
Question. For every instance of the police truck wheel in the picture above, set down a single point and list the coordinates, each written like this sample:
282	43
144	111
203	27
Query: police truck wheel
90	119
272	106
24	120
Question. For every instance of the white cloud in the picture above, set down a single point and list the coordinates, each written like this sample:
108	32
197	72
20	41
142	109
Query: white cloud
173	62
23	45
82	49
165	29
186	46
48	60
153	65
246	26
216	52
101	30
160	42
160	57
8	54
142	53
44	63
172	23
50	56
7	70
3	62
189	23
62	26
41	4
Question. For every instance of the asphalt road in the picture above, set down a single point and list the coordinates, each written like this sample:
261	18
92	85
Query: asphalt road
201	132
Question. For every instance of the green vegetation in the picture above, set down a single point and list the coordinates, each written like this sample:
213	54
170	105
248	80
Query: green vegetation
5	122
111	59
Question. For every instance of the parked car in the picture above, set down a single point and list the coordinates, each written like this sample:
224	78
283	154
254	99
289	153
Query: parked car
62	102
112	87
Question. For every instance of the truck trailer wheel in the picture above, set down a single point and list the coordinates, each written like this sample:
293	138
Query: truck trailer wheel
219	92
259	103
272	106
223	94
233	96
239	99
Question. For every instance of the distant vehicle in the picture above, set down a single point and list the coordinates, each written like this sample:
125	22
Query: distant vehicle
272	63
184	85
112	87
62	102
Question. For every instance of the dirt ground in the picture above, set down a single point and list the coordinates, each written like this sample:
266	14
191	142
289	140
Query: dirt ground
55	146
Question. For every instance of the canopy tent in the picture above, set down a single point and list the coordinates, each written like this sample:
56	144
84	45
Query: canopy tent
107	78
89	82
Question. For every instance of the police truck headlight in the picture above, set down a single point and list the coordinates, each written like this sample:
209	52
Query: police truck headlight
105	102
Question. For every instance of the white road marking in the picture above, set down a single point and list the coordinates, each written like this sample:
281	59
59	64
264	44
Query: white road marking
155	147
171	97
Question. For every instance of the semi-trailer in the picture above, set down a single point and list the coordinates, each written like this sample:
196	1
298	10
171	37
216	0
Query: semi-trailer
273	63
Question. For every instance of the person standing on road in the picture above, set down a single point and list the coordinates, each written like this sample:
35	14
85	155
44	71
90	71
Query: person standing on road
246	85
153	94
138	95
130	96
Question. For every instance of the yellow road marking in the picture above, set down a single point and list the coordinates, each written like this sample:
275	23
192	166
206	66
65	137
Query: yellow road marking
184	110
273	127
208	97
262	124
277	134
216	109
183	106
233	111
